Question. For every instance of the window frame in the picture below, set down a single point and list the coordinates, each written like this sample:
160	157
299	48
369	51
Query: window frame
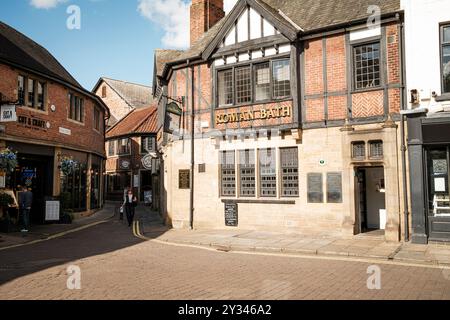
221	173
240	167
363	42
372	143
274	155
114	153
76	108
97	122
443	44
119	146
251	64
142	144
282	175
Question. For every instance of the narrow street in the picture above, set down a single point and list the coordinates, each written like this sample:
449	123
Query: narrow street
116	265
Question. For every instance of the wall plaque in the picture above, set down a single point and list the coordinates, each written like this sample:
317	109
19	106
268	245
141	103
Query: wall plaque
334	187
231	214
184	179
315	188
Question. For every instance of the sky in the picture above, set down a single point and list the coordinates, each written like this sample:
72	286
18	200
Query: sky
108	38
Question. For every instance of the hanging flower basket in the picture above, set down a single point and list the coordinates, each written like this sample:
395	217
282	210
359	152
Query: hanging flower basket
8	160
68	166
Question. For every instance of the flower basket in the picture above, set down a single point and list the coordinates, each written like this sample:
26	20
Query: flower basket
68	166
8	160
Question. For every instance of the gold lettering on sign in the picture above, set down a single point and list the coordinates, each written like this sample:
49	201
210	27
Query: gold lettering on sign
264	114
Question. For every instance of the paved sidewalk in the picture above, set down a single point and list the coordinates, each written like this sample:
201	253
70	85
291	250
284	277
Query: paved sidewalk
42	232
300	244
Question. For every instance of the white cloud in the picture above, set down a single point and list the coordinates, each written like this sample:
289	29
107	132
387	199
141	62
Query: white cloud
173	17
45	4
228	5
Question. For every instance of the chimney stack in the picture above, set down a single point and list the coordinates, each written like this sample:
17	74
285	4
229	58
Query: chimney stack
204	15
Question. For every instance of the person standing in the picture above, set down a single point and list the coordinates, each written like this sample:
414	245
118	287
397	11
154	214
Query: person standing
125	194
25	203
129	205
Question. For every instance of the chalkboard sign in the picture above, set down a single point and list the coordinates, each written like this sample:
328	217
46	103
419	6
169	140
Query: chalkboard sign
184	179
315	188
231	214
334	188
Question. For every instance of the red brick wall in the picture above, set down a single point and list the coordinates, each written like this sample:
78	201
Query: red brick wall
368	104
364	104
204	17
83	135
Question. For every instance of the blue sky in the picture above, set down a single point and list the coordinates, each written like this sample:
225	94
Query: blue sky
117	37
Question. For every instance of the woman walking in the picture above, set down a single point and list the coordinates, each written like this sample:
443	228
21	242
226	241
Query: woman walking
129	204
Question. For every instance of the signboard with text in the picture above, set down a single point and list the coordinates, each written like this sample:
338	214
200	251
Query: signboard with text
8	113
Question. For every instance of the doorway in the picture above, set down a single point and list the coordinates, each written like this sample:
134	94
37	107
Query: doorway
371	199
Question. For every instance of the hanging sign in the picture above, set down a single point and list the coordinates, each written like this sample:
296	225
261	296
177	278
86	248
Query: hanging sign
147	162
172	121
8	113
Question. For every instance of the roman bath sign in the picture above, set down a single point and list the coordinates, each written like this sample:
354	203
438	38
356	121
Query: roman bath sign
262	114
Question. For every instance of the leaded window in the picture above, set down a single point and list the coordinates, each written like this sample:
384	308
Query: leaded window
376	149
367	66
243	85
225	84
21	90
148	144
281	79
76	108
247	173
112	148
268	172
228	174
262	81
289	172
445	51
124	146
31	93
40	95
359	150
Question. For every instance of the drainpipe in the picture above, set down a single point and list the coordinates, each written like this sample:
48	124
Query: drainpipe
403	135
191	206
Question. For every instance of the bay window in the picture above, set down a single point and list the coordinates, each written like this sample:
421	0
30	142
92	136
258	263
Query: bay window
31	93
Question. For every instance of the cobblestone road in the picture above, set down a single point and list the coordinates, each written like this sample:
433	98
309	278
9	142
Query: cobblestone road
115	265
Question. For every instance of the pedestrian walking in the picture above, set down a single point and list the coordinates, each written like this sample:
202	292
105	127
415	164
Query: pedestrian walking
25	203
129	206
122	209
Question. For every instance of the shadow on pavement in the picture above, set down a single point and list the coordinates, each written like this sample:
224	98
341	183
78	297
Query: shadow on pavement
107	237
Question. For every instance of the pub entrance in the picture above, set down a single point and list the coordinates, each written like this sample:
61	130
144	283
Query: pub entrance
371	199
35	172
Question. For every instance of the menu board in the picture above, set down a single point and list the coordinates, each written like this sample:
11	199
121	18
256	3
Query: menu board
334	188
231	214
52	209
184	179
315	188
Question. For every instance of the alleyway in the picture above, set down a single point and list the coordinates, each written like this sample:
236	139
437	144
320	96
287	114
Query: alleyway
116	265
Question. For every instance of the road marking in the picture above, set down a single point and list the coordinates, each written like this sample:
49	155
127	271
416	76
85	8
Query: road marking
297	256
58	235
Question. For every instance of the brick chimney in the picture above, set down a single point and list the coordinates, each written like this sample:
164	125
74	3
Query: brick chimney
204	15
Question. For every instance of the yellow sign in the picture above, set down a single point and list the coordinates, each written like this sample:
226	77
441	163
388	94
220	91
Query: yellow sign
263	114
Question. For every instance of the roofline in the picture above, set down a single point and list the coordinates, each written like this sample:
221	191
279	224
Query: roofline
132	134
123	119
79	89
300	36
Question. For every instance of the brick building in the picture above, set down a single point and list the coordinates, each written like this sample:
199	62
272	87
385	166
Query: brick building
132	157
296	117
54	118
122	97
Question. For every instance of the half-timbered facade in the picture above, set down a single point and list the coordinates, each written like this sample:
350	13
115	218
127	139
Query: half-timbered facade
296	109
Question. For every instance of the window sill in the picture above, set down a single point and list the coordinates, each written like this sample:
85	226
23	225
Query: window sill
378	88
258	201
251	104
443	97
76	122
34	110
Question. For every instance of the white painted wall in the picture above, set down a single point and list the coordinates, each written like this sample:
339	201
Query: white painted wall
423	66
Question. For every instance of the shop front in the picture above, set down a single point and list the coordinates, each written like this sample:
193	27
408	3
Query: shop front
34	171
429	152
